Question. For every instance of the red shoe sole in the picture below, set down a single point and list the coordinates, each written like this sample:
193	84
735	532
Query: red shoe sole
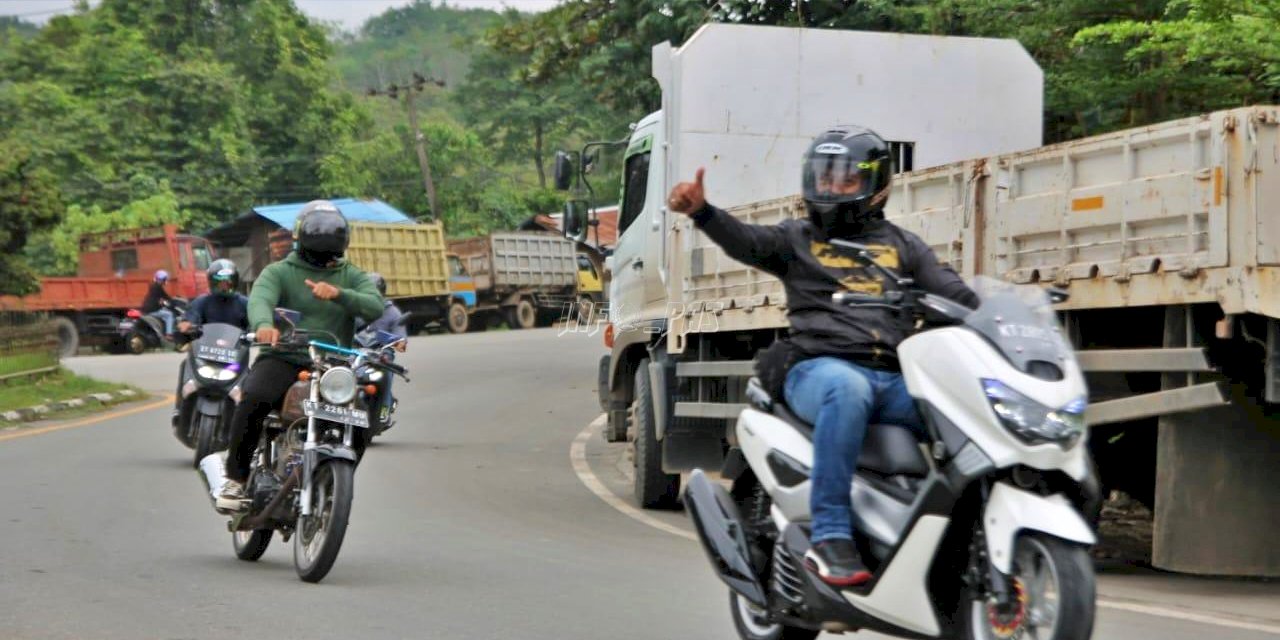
857	579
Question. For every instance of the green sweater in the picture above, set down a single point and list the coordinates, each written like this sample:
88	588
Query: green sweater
283	284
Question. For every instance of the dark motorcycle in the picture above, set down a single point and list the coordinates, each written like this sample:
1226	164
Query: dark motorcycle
381	345
139	331
301	480
217	360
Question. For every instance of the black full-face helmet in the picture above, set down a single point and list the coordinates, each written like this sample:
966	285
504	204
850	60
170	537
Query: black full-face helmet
846	179
379	282
224	277
321	233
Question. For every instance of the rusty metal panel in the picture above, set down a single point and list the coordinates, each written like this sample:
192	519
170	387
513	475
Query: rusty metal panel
713	279
533	260
936	204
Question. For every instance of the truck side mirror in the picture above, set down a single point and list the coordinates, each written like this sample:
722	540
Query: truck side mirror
564	171
575	220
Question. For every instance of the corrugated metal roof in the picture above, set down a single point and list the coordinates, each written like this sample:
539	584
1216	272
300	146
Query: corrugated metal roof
363	210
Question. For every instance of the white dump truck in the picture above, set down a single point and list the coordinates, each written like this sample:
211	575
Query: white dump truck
1164	237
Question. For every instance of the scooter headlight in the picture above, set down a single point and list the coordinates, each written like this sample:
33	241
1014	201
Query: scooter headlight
1032	422
220	374
338	385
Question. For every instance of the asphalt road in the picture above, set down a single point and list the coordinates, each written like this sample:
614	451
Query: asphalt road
469	522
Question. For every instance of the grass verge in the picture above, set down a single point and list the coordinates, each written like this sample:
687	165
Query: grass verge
19	393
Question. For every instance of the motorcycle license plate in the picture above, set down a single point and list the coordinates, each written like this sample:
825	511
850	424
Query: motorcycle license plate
222	355
344	415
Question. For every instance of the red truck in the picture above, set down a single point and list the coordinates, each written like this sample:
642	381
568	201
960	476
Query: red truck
116	268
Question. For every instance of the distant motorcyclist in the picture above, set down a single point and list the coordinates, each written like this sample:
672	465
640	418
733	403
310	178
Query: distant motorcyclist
158	301
223	305
389	322
330	294
842	372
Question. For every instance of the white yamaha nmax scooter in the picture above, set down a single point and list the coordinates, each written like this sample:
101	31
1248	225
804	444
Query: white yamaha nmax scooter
976	533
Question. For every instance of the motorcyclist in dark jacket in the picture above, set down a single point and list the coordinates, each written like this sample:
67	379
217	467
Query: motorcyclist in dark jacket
388	322
156	303
222	305
847	375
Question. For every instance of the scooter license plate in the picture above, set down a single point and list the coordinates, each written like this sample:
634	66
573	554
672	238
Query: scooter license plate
344	415
221	355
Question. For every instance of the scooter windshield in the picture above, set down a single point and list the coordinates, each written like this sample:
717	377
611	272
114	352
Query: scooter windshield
218	343
1019	320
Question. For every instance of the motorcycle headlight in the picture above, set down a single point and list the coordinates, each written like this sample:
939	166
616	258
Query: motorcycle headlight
220	374
1032	422
338	385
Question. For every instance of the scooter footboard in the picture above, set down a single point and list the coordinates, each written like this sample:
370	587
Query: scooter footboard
720	529
1010	511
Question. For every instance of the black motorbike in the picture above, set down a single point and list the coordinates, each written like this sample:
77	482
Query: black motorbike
380	346
217	360
301	478
139	331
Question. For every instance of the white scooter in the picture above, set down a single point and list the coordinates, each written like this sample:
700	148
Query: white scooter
975	533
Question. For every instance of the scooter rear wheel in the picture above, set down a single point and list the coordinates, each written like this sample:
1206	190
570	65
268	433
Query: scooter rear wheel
752	623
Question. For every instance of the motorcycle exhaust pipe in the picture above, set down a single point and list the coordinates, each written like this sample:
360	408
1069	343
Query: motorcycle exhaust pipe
720	529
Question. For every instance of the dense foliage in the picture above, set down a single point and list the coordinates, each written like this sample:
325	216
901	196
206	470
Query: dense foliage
192	110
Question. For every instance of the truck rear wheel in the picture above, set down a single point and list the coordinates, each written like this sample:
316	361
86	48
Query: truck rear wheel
458	319
522	316
68	336
654	488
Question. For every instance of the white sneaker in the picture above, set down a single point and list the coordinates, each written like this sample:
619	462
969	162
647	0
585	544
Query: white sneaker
232	498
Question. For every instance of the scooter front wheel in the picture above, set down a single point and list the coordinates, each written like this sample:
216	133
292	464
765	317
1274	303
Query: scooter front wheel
1054	595
753	623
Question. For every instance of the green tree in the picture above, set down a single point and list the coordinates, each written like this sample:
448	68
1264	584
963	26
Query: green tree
29	204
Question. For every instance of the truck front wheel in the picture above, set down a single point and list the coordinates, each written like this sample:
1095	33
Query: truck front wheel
654	488
458	318
68	336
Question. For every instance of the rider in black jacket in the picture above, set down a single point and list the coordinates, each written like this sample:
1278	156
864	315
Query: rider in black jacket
222	305
848	375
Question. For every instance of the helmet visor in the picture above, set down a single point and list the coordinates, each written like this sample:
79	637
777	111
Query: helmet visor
838	177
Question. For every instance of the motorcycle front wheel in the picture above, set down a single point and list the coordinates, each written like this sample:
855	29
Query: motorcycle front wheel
206	430
752	623
319	536
1054	596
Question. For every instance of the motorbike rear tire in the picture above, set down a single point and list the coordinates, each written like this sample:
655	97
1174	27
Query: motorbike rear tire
751	628
332	488
250	545
1071	570
206	436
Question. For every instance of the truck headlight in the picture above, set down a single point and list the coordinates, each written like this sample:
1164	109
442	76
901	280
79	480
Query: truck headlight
211	372
1032	422
338	385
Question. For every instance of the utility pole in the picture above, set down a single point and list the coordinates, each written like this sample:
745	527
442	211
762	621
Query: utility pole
394	92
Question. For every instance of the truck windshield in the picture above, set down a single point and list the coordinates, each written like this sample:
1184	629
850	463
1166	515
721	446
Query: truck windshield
634	189
201	253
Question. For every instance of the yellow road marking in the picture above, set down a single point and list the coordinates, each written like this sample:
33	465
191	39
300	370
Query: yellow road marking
168	400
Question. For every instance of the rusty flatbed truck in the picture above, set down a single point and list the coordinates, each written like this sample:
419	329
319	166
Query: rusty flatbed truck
1166	236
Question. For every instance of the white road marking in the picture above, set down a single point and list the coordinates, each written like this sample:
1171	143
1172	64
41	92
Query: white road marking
1189	616
578	455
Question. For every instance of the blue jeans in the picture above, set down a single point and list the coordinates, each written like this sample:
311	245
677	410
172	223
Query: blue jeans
167	316
840	399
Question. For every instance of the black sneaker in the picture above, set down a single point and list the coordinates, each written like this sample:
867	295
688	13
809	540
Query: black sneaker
837	563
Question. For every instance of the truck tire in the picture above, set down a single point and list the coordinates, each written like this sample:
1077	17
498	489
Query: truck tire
523	316
458	320
654	489
68	336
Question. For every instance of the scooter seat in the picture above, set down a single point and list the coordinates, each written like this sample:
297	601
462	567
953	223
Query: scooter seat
888	449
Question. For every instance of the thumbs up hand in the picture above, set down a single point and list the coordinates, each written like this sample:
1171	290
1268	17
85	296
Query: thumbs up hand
688	197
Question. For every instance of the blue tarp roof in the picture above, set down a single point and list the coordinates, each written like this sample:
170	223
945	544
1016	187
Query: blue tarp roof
363	210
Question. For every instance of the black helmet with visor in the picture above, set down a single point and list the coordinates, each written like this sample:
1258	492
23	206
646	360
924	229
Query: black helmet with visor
846	179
